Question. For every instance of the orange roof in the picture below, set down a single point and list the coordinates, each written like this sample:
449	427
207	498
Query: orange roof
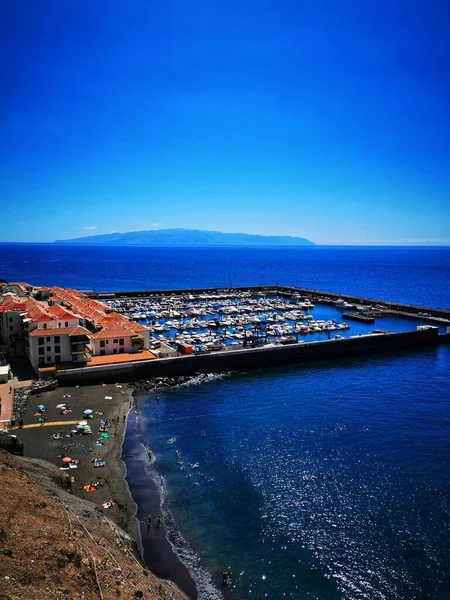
56	298
107	334
12	303
43	317
120	358
60	331
19	283
132	326
61	314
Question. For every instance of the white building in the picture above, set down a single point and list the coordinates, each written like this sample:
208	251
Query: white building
58	345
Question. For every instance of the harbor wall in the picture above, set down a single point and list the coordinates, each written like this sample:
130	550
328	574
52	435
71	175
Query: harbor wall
245	359
443	313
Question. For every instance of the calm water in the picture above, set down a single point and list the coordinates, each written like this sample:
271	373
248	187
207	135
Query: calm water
327	481
417	275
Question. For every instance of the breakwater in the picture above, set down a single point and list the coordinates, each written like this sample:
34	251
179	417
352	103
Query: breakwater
258	357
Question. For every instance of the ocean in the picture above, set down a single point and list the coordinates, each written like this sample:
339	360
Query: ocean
324	481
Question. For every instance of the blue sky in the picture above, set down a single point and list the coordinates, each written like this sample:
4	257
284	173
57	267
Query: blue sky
324	119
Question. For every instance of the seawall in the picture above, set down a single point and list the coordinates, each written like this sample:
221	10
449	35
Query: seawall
267	356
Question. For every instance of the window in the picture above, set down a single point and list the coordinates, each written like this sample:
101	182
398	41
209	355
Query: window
121	350
48	339
49	359
107	341
10	319
67	324
102	343
59	324
115	351
57	358
41	351
115	341
58	349
45	325
41	362
49	348
102	353
57	339
121	342
40	341
11	328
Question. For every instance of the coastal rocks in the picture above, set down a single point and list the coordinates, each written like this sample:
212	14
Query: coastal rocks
11	444
156	384
21	395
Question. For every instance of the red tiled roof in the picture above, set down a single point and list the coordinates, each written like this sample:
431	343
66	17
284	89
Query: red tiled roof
108	359
61	314
43	317
132	326
107	334
60	331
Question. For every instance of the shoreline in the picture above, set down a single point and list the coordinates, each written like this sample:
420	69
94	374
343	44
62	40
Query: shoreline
156	549
114	486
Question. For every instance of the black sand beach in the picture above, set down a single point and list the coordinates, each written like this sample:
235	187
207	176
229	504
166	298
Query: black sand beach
38	443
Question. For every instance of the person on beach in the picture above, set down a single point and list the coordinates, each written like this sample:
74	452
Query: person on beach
158	522
20	423
224	577
149	521
124	418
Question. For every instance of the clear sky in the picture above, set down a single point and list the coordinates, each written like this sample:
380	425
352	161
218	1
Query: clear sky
326	119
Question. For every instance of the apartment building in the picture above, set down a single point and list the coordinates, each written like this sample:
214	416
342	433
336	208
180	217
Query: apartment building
57	326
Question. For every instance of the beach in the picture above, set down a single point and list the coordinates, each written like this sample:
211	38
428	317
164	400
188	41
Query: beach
113	403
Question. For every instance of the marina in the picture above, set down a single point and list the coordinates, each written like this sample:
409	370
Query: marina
197	322
217	330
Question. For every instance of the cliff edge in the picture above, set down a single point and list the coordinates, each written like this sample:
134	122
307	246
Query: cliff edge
54	545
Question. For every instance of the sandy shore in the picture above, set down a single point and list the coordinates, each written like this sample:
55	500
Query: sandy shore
38	443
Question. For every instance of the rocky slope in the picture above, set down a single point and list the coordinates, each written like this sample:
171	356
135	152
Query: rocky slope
56	546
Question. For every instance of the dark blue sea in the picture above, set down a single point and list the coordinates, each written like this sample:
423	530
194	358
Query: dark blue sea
327	481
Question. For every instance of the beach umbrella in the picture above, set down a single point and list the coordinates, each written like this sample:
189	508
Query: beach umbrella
86	427
88	411
41	407
82	423
67	459
79	426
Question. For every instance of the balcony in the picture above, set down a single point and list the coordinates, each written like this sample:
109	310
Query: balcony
138	342
79	348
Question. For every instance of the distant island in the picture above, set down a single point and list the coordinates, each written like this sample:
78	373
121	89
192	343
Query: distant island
187	237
